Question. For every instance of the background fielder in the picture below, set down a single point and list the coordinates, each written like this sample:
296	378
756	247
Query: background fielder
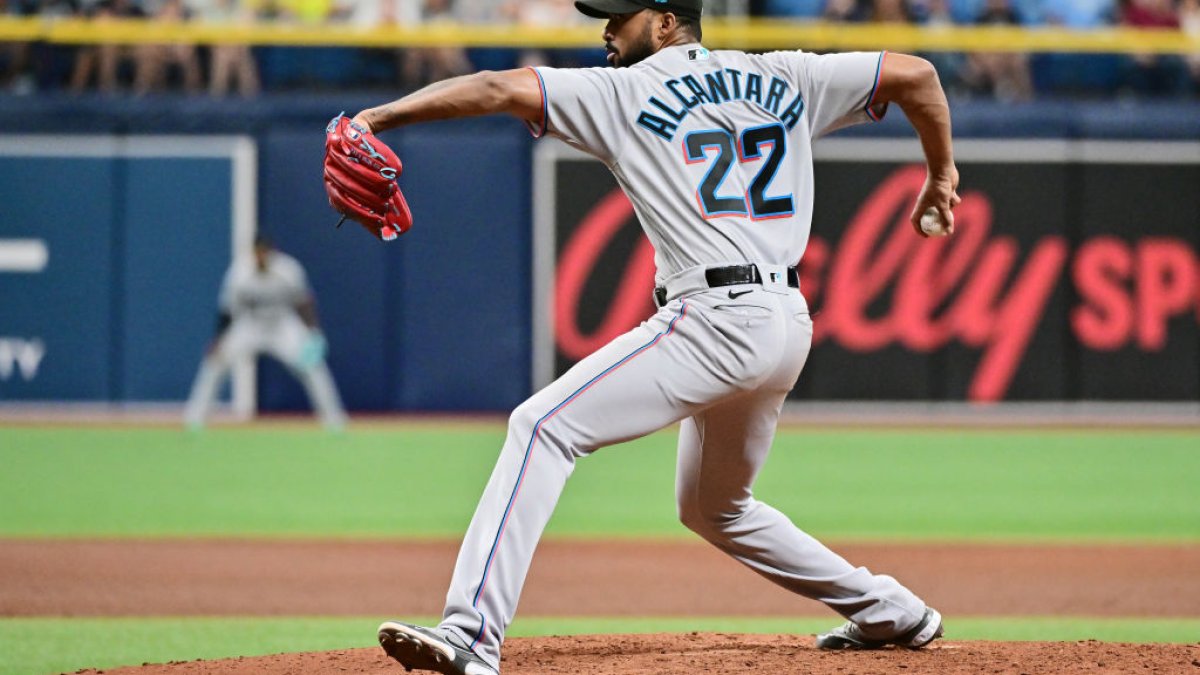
713	150
267	307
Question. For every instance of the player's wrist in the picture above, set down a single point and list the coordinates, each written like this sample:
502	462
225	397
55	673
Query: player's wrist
942	173
363	119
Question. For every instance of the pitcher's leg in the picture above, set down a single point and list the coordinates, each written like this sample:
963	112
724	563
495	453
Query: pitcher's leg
721	451
616	394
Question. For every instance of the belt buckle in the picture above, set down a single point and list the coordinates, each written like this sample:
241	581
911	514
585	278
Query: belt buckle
774	278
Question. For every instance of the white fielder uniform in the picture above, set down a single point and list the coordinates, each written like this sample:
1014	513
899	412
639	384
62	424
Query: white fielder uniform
714	151
262	305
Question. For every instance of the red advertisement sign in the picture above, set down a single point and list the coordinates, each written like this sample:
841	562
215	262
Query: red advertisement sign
1064	281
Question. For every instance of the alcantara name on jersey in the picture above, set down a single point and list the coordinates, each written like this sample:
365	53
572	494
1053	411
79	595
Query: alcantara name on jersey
716	90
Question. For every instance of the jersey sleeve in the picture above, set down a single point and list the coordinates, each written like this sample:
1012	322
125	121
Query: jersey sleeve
839	89
299	290
582	107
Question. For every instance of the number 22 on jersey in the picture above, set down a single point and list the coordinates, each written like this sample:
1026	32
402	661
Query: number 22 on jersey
767	144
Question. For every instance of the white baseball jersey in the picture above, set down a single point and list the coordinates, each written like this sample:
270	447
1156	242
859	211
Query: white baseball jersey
714	148
262	304
266	295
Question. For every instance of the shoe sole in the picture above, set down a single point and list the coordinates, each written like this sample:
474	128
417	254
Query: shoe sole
415	650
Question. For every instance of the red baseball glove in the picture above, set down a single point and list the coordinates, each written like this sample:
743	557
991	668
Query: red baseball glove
360	179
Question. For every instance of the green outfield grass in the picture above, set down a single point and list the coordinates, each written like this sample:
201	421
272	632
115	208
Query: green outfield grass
412	480
42	646
416	480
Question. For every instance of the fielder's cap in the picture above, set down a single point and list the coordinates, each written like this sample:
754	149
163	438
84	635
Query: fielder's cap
601	9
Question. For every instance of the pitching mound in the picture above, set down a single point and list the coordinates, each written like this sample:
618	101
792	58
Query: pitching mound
735	655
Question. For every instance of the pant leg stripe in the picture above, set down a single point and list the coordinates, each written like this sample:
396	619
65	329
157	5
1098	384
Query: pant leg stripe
529	452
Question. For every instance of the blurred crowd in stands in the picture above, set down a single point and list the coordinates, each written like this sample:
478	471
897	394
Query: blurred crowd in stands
1015	76
235	69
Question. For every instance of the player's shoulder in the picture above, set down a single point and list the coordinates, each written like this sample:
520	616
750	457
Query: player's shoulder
578	71
781	57
285	264
283	258
583	81
787	64
239	269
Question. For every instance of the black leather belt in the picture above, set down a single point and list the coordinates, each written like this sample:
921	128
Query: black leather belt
731	276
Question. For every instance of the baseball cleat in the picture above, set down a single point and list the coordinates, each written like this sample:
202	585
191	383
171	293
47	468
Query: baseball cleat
850	636
418	648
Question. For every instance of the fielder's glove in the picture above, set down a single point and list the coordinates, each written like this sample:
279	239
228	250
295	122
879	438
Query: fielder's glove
313	351
360	179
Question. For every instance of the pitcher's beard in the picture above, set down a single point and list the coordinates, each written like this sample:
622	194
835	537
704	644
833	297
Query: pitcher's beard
635	52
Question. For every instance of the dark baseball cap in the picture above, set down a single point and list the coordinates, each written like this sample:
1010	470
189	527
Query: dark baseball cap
601	9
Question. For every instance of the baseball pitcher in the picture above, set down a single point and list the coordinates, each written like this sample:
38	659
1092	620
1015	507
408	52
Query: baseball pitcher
267	307
713	149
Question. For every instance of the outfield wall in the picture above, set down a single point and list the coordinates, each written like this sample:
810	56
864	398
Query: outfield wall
1095	256
1074	274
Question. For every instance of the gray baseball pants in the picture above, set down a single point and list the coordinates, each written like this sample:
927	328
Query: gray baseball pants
723	366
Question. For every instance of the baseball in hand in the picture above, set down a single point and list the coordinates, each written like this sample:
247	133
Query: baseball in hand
932	223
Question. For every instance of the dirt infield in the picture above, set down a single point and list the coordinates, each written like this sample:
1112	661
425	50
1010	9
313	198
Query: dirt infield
735	655
259	578
623	578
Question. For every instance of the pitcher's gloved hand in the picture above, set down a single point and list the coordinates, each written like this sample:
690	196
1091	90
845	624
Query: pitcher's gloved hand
360	179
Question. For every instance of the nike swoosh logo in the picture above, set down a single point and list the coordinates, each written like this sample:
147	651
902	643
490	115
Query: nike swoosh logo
734	295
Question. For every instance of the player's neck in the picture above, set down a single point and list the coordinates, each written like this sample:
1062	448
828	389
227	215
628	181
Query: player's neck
677	39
